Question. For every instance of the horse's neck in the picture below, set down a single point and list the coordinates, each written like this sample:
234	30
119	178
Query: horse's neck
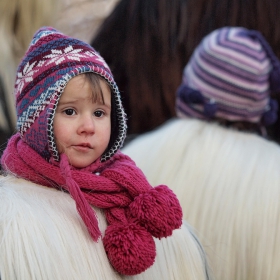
43	237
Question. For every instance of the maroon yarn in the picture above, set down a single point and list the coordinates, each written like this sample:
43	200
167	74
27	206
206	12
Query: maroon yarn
134	210
123	244
160	223
82	205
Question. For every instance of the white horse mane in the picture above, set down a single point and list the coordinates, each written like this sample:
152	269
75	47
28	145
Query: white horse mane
228	183
43	237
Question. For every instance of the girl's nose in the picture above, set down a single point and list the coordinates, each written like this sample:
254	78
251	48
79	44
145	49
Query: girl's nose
86	125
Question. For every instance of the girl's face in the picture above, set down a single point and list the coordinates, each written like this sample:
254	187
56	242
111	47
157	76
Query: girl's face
82	127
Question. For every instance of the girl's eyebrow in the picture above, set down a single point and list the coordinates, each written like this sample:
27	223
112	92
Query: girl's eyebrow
73	101
104	104
67	102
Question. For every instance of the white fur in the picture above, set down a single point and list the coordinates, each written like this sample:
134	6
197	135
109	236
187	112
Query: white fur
228	183
43	237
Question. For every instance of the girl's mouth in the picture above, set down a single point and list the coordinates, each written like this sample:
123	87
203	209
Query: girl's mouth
82	147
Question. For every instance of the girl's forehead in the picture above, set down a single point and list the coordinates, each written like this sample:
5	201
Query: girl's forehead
81	87
77	82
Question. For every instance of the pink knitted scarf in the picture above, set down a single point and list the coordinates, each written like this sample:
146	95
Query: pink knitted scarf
134	210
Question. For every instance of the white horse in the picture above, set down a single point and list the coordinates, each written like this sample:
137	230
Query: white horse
43	237
228	183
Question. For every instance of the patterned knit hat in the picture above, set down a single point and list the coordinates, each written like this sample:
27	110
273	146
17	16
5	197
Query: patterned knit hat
50	62
230	76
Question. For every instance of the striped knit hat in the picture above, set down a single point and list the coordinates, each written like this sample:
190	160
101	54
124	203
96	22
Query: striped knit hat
230	76
51	60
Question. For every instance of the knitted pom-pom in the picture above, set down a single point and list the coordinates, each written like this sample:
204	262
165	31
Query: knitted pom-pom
189	95
275	79
130	248
158	210
210	109
273	105
269	118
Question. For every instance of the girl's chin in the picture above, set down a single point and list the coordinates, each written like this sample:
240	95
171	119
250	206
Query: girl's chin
80	161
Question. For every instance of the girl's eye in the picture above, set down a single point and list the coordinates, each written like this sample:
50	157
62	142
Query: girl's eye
69	112
98	114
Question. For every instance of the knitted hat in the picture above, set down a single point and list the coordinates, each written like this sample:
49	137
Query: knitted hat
230	76
51	60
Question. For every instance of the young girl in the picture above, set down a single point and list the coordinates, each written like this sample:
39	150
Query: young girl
71	125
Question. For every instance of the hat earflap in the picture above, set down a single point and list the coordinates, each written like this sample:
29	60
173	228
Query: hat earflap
191	96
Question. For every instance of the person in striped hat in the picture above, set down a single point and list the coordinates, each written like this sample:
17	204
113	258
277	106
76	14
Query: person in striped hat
215	157
231	77
71	126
